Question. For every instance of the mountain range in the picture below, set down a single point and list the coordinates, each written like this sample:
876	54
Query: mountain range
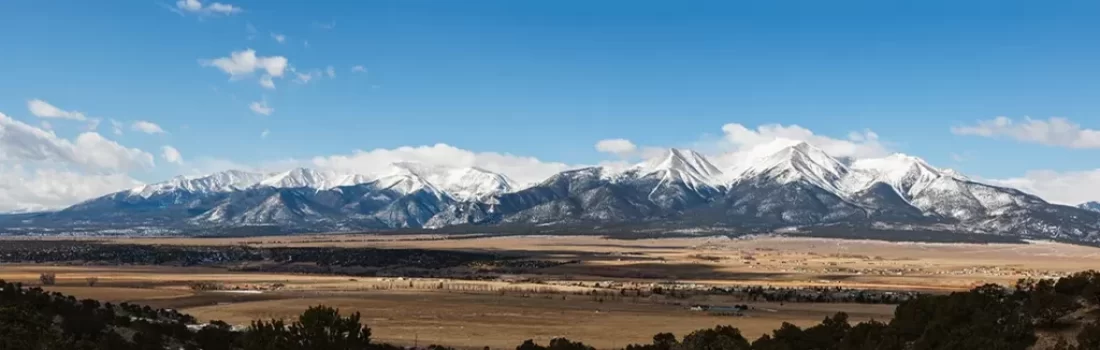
786	184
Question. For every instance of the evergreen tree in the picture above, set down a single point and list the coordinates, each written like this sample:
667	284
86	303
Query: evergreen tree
717	338
322	328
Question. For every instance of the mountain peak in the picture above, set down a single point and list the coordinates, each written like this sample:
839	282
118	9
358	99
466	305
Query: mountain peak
803	146
461	183
907	175
799	155
223	181
679	165
299	177
1091	205
785	160
897	163
680	160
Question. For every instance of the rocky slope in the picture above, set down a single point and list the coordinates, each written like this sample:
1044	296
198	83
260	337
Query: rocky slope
1093	206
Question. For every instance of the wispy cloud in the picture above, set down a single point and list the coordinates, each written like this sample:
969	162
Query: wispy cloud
171	155
261	107
146	127
251	30
214	8
278	37
1063	187
358	69
1059	132
267	82
43	109
306	77
620	147
245	63
116	127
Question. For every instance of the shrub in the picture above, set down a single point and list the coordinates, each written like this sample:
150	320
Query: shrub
48	278
204	286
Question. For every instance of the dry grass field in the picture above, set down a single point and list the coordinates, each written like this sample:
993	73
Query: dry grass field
424	315
769	260
498	314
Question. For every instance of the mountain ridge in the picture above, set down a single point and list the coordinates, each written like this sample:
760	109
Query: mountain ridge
784	184
1091	205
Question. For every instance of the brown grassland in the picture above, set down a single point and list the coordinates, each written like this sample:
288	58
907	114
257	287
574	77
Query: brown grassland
502	314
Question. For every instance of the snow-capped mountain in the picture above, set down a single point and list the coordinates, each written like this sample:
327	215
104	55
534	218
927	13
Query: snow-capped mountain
905	174
676	165
309	178
225	181
300	177
674	180
463	184
798	162
789	183
1093	206
781	184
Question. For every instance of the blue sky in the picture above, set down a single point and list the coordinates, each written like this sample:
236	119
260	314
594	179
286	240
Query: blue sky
550	79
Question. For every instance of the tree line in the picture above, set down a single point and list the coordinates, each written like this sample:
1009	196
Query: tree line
986	317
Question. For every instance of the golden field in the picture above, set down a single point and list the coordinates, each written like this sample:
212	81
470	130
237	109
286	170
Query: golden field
501	314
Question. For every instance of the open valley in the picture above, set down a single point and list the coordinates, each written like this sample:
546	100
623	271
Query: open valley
596	289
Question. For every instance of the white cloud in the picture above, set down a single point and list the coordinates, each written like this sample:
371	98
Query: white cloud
266	82
1070	187
521	169
42	109
93	149
22	188
263	134
223	8
358	69
203	165
116	127
245	63
40	170
738	142
20	142
858	144
171	155
261	107
330	71
1060	132
215	8
619	147
46	125
189	5
146	127
278	37
93	124
305	78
